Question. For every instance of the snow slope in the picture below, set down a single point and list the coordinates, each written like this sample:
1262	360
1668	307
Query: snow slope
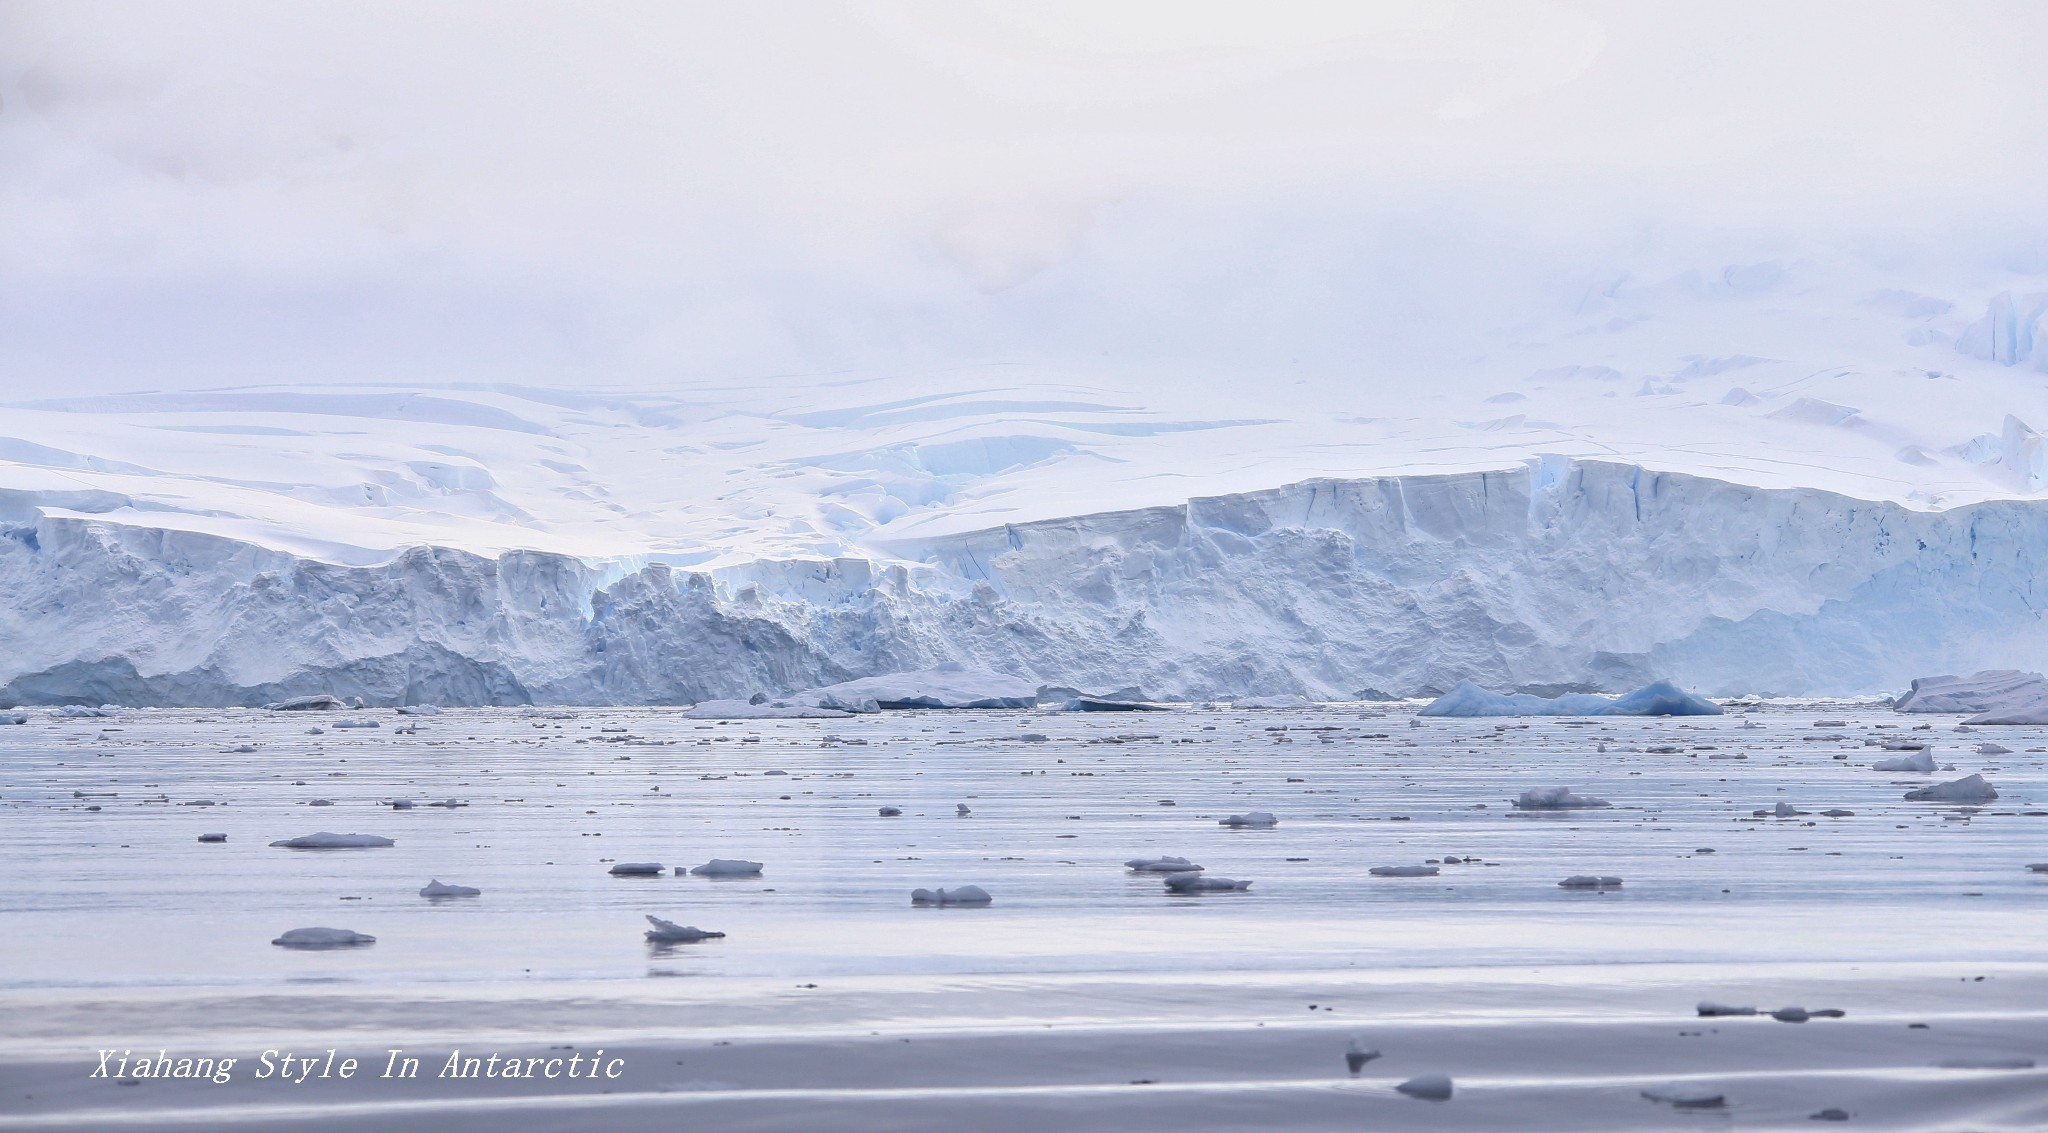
1550	575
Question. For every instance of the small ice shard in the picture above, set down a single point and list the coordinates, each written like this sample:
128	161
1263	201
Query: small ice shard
1686	1097
1428	1087
1968	789
669	932
314	938
962	810
1557	798
1249	818
1403	871
1589	881
1202	883
1918	761
1357	1054
1710	1009
326	841
638	869
728	867
963	895
213	837
890	811
1168	864
1837	812
436	889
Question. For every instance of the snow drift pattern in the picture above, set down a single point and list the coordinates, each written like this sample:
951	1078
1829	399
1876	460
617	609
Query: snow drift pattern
1557	576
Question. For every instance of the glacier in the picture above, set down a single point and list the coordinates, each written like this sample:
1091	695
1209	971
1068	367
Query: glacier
1549	576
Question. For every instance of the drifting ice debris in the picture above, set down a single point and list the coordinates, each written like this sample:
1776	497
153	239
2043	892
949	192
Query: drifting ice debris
950	685
1968	789
964	895
1295	702
356	722
418	710
318	702
316	938
1167	864
962	810
213	837
774	710
326	841
1589	881
1918	761
1686	1097
1993	749
1202	883
436	889
889	811
1557	798
1837	812
638	869
1428	1087
1986	691
1659	699
1249	818
1357	1054
728	867
1403	871
1711	1009
669	932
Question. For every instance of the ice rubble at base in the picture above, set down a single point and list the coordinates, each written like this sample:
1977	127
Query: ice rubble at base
313	939
327	841
963	895
1659	698
1318	589
1968	789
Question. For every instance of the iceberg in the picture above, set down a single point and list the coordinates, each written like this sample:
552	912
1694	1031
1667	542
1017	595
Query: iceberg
638	869
1922	760
1403	871
437	889
727	867
313	939
1589	881
1202	883
1428	1087
318	702
326	841
963	895
950	685
1983	691
669	932
1968	789
1661	698
1557	798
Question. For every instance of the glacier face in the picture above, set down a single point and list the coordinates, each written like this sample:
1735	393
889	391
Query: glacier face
1554	573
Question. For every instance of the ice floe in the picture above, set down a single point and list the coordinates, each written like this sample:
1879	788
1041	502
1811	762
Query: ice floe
327	841
1255	818
1403	871
1165	864
1557	798
638	869
669	932
1968	789
322	938
963	895
1202	883
1590	881
436	889
727	867
1922	761
1428	1087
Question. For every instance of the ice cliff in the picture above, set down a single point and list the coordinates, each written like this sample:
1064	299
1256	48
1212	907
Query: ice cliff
1554	576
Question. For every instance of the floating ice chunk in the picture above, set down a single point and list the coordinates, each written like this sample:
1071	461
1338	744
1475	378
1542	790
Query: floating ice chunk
1831	1113
1922	761
889	811
1403	871
1202	883
1249	818
1105	704
326	841
1686	1096
1557	798
1294	702
318	702
1428	1087
12	718
964	895
449	804
669	932
1167	864
213	837
1661	698
950	685
728	867
319	802
1983	691
2038	867
1786	810
1590	881
1711	1009
436	889
1993	749
742	710
317	938
401	804
418	710
962	810
356	722
1968	789
638	869
1357	1054
1837	812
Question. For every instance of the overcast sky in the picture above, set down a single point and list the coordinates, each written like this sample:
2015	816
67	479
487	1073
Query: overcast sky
666	194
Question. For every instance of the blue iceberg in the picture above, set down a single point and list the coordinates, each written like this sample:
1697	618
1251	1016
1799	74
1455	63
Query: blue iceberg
1661	698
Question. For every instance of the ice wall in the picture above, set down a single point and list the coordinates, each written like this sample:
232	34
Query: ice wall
1556	575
